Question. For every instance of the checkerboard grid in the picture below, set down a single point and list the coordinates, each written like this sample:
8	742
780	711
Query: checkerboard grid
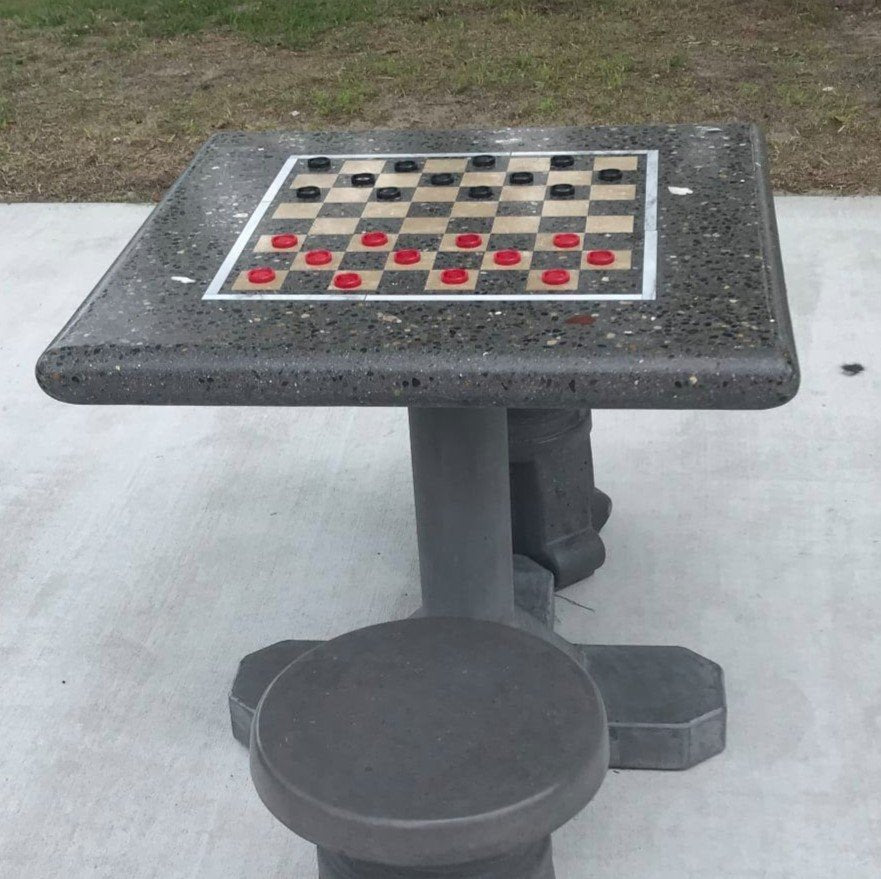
456	195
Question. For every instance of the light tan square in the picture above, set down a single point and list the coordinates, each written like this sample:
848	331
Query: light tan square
489	263
545	241
322	181
394	179
242	282
483	178
369	281
297	210
433	166
624	163
522	193
474	208
622	262
515	224
348	194
612	192
529	163
448	242
300	265
426	261
385	209
576	178
434	282
264	245
610	223
356	246
334	226
435	193
565	207
363	166
534	282
424	225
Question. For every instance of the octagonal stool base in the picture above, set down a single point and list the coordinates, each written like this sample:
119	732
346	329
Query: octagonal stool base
432	747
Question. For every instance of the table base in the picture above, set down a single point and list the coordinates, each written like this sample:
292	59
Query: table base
665	705
556	510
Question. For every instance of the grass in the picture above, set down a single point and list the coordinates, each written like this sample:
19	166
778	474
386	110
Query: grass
281	22
107	99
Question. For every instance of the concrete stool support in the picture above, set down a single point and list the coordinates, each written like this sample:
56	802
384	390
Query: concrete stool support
430	747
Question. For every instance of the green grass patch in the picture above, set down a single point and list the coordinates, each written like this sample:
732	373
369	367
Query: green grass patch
280	22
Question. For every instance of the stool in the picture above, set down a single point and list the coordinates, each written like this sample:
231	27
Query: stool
432	747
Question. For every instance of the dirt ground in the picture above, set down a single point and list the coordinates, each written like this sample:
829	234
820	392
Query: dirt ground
112	113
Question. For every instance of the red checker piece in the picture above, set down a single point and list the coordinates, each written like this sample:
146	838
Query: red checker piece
566	239
347	281
507	257
318	257
600	257
555	277
407	257
468	240
454	276
284	242
374	239
263	275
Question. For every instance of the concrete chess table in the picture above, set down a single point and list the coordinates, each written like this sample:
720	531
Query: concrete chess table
500	284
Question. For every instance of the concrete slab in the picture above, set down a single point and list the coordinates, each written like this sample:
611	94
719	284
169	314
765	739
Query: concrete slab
143	551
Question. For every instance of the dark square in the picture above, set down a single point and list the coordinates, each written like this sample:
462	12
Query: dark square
354	260
458	259
403	283
325	242
307	281
340	209
379	224
519	208
557	259
483	225
411	241
430	209
511	241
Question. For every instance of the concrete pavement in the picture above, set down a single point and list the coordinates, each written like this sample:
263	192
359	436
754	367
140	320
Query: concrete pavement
144	550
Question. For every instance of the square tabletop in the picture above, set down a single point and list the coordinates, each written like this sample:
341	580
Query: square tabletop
570	267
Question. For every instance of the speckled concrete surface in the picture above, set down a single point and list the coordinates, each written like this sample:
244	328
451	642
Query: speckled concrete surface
143	550
717	336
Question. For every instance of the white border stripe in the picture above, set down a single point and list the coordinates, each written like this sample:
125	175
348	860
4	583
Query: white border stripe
649	257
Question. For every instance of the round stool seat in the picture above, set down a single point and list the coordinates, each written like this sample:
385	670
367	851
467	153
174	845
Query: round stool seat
429	741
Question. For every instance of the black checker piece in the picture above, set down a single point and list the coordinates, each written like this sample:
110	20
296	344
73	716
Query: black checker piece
388	193
610	175
562	190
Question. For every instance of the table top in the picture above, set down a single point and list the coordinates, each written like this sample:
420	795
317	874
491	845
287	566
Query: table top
577	267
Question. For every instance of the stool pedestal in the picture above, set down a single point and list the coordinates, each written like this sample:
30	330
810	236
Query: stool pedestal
530	862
